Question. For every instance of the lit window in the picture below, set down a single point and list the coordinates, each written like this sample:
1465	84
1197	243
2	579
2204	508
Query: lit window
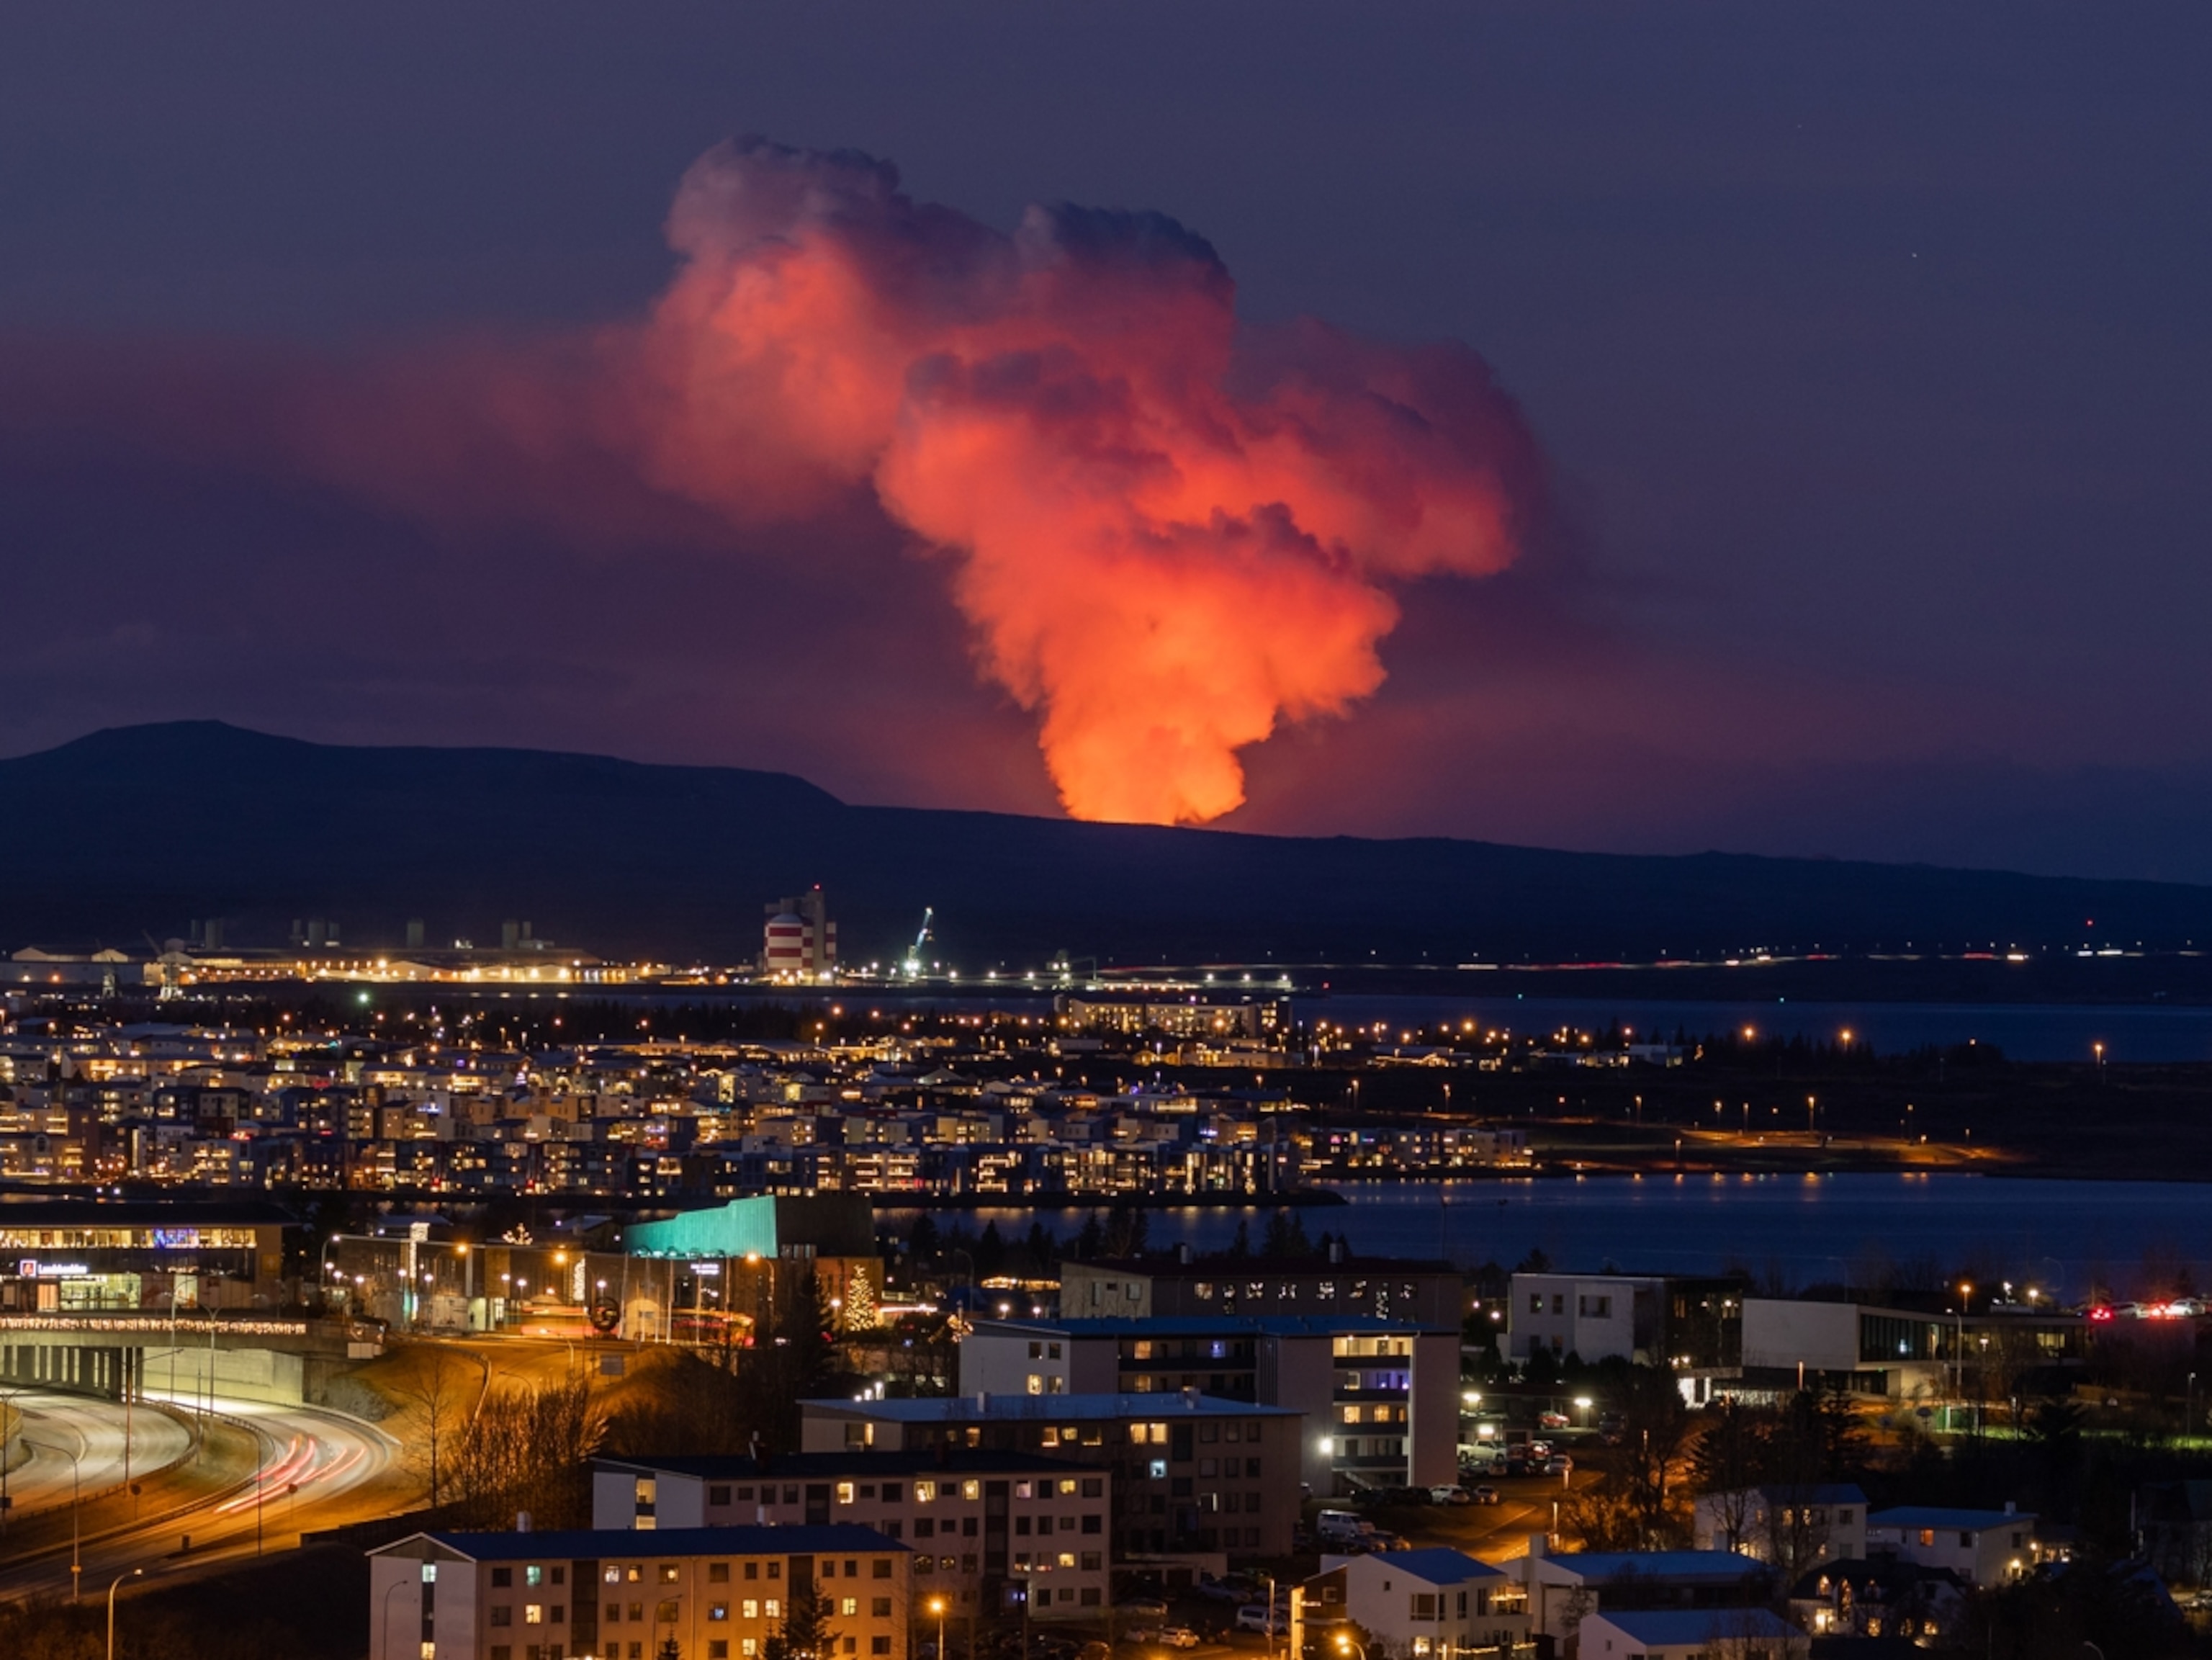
971	1489
533	1575
751	1609
430	1573
844	1493
772	1609
533	1613
718	1611
1068	1487
849	1606
1024	1490
925	1492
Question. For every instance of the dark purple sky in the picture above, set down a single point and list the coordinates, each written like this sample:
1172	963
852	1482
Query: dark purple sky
1870	344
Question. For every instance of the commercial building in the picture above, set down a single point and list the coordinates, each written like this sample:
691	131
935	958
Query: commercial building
1694	1325
73	1255
1428	1294
1983	1546
1903	1352
987	1529
1380	1398
610	1595
1192	1476
1423	1603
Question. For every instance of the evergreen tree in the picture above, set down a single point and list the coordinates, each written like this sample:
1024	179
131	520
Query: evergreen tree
1241	1246
991	1251
1091	1241
805	1632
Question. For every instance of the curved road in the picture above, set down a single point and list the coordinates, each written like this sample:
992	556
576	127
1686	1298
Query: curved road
53	1426
315	1469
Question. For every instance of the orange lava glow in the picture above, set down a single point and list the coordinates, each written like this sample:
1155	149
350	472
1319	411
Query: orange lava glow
1169	533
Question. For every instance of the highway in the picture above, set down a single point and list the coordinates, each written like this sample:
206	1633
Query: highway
52	1427
266	1475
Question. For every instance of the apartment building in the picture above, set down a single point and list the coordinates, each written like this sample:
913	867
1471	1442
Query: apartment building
1193	1476
1380	1398
620	1594
986	1528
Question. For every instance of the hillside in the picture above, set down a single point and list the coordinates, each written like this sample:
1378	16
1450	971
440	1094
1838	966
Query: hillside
133	832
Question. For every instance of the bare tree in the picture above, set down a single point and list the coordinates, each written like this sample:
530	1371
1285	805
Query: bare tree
439	1382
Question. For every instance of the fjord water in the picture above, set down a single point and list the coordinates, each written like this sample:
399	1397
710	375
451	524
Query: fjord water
2025	1031
2064	1237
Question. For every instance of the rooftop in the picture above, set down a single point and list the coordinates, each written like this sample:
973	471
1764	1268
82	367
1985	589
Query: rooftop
1203	1325
587	1542
1047	1408
1669	1628
1720	1566
1937	1515
804	1466
1438	1567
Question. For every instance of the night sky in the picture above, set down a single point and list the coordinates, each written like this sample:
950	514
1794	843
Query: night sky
1866	349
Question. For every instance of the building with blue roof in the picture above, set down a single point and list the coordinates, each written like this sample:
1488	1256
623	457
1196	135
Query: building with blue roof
1564	1588
1753	1634
1421	1603
1982	1547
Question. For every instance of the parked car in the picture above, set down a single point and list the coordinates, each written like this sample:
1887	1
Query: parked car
1141	1608
1253	1616
1485	1495
1552	1420
1220	1590
1180	1637
1386	1541
1559	1464
1448	1495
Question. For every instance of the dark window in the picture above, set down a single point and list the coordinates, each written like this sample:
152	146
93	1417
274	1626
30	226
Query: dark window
502	1578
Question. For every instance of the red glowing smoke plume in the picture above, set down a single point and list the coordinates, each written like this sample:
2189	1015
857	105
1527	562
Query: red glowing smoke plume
1171	534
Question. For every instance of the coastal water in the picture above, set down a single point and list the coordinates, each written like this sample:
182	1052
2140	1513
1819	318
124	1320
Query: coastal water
1794	1231
2025	1031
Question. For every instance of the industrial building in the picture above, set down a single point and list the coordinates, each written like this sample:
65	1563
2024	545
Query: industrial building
801	941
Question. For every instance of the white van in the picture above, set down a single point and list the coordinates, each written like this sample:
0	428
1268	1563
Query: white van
1341	1527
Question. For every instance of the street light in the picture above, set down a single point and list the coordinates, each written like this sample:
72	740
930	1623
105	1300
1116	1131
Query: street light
936	1607
1346	1644
133	1574
388	1591
76	1493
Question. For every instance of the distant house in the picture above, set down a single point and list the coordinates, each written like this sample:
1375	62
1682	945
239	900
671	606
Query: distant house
1693	1635
1564	1590
2173	1530
1891	1598
1982	1547
1421	1603
1792	1527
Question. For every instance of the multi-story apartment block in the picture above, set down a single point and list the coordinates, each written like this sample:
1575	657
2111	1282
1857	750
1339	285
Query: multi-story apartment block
618	1594
1427	1294
1192	1475
1381	1399
987	1529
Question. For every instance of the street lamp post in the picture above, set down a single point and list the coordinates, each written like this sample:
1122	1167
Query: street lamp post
385	1647
133	1574
77	1493
8	1409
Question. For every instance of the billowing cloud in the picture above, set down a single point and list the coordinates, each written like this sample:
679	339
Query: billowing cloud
1170	533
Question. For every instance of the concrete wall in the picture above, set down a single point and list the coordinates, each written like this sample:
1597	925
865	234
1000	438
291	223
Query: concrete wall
245	1374
1783	1333
1435	1410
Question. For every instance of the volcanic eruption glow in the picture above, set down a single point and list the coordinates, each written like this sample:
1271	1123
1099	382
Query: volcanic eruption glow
1168	532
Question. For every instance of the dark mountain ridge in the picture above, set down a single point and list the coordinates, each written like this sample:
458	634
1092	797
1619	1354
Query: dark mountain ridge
133	832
